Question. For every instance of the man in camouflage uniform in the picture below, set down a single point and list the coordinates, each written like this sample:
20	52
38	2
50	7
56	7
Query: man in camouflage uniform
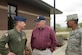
74	46
15	38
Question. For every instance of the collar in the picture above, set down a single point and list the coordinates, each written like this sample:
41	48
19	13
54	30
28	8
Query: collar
42	28
75	31
17	31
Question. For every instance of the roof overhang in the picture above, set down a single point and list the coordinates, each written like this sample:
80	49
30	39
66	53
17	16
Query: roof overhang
42	5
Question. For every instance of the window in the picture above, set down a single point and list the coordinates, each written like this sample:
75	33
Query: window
12	12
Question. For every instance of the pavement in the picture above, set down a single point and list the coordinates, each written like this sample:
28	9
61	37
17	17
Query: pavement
62	32
60	51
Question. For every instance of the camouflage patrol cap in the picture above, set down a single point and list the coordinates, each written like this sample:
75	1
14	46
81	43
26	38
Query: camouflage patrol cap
72	17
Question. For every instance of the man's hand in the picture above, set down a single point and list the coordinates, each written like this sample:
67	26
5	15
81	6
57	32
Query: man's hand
27	51
11	53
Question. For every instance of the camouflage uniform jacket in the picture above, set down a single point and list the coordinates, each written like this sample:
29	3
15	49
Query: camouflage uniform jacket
74	46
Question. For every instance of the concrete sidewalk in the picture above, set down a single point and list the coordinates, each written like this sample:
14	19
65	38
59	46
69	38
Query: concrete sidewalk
60	51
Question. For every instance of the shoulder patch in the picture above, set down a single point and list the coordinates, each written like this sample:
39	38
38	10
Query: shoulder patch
6	34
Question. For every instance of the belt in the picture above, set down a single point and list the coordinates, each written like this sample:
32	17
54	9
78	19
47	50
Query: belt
41	49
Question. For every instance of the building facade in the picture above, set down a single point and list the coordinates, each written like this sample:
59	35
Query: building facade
27	8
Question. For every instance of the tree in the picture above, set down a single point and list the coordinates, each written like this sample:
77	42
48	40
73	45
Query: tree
58	26
80	25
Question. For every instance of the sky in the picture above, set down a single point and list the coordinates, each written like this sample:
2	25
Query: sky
68	7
